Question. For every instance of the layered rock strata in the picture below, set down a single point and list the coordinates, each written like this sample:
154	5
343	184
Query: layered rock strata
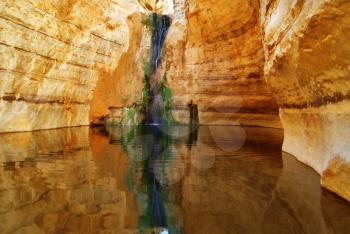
53	53
215	59
307	69
65	64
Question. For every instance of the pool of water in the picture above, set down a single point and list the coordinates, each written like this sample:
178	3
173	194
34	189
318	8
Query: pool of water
214	179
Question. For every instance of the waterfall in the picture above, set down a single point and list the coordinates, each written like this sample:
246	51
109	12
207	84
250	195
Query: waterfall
161	26
157	111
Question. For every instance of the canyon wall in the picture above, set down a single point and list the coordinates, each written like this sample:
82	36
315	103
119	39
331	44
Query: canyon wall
215	59
53	53
122	87
307	69
64	64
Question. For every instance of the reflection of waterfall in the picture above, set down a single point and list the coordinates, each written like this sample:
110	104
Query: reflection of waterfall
152	191
154	172
72	180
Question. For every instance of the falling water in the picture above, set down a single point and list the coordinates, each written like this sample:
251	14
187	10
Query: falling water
162	24
155	110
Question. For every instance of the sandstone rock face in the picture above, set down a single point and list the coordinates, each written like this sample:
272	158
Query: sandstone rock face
122	86
215	58
307	69
64	63
54	52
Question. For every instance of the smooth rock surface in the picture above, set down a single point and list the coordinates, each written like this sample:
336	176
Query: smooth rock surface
54	52
215	58
307	69
122	87
64	63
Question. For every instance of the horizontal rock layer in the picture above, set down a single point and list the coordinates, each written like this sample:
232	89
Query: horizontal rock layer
53	53
215	58
64	64
307	69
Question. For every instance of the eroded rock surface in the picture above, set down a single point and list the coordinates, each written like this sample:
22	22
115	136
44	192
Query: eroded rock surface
122	86
215	58
307	69
53	53
65	63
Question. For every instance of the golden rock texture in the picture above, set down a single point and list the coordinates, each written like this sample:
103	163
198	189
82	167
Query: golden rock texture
307	69
122	87
54	52
215	58
159	6
64	63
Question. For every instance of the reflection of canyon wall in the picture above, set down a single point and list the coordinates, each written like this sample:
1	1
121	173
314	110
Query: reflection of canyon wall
296	207
215	58
52	182
252	193
307	69
53	53
235	192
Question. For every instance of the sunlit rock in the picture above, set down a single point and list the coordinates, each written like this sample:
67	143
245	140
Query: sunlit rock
307	70
227	62
215	59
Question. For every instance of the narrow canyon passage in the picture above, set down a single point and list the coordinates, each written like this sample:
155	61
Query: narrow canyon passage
146	180
174	116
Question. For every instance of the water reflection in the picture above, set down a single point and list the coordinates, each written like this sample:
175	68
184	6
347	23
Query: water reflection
150	180
154	168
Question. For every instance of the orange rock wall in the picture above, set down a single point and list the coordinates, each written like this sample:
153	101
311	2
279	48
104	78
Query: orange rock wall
307	69
123	86
54	52
215	58
64	63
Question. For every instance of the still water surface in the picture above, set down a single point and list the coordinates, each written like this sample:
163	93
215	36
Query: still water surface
161	180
